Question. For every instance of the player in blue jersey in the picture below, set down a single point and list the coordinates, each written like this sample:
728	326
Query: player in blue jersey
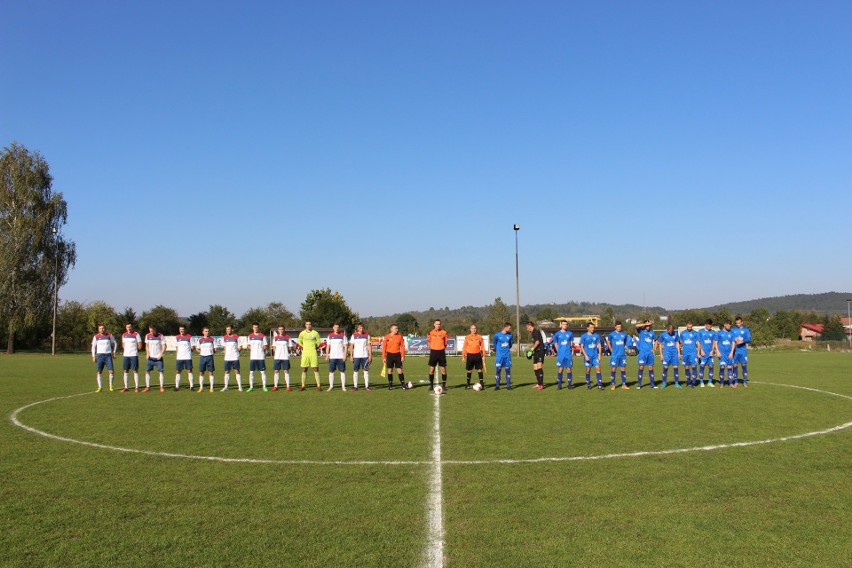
689	354
647	344
706	342
590	345
742	337
617	342
563	347
503	341
669	343
724	349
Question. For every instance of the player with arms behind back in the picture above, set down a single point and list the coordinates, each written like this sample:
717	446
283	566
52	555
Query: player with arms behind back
473	352
309	339
393	355
437	339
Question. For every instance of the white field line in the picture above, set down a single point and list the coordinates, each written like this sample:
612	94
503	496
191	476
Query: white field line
436	463
433	555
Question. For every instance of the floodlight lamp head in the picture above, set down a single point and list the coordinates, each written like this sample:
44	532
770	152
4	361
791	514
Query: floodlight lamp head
517	227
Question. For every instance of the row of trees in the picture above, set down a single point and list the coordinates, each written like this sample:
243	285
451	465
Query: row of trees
76	322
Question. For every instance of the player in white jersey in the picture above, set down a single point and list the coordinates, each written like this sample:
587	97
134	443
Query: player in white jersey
206	347
155	346
183	357
232	348
257	356
335	354
281	357
131	342
362	356
103	352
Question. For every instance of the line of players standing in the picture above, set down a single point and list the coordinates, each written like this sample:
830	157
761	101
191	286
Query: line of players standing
695	349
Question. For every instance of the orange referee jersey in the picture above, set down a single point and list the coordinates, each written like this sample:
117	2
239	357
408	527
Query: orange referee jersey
393	343
474	344
437	340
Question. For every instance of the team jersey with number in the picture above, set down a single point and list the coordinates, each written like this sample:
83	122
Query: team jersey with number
206	346
130	343
669	342
706	337
689	342
281	347
309	340
231	345
646	341
336	345
155	345
724	341
360	343
503	343
564	342
103	343
618	341
184	347
741	333
257	346
591	342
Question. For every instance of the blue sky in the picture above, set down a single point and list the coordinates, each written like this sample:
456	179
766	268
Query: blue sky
667	153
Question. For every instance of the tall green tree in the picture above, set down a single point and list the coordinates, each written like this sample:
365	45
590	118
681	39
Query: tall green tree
72	326
407	324
325	308
197	322
833	330
219	317
34	255
496	315
166	319
101	313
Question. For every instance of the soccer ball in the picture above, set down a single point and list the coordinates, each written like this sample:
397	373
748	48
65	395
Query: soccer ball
439	389
410	385
477	387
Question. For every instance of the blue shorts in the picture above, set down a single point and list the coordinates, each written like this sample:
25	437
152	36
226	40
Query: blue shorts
281	364
725	362
183	365
205	363
689	359
154	364
504	362
103	360
592	362
130	363
706	360
564	361
336	365
670	360
740	357
619	361
257	364
232	365
645	359
361	363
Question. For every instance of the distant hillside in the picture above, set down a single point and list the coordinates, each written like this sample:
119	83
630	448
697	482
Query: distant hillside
827	302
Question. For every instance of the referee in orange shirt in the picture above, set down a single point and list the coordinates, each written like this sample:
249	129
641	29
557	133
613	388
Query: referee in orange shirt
393	355
474	351
437	339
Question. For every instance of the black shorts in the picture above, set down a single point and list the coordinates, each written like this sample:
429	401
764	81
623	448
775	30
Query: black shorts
538	356
393	360
438	358
474	361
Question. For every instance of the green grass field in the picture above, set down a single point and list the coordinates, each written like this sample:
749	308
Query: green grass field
785	503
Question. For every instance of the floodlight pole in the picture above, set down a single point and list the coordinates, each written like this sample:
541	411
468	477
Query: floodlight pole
55	289
517	291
